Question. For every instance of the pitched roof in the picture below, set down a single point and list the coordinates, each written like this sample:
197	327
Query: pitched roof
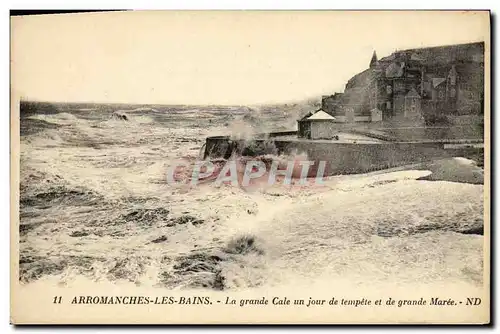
320	114
437	81
413	93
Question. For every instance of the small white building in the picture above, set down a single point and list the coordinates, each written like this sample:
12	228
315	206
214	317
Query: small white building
319	125
322	125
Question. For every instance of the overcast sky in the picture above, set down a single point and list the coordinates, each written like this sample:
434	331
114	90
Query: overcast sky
215	57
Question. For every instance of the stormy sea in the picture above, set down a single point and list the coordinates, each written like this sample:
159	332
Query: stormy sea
95	204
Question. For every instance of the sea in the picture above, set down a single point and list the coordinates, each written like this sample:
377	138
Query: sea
95	204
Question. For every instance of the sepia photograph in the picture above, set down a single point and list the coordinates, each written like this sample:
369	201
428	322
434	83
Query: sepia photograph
250	167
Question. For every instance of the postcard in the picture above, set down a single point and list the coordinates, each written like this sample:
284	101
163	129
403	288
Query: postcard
250	167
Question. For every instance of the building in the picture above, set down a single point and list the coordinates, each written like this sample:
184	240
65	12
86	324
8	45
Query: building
412	105
414	86
321	125
317	125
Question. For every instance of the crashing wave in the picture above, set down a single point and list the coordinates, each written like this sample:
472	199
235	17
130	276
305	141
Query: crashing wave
119	116
60	118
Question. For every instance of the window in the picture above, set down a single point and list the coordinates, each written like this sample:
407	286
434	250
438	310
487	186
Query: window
413	106
398	86
465	86
453	92
388	89
388	104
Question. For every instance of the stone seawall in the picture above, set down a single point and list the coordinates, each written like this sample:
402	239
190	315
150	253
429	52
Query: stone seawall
341	158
